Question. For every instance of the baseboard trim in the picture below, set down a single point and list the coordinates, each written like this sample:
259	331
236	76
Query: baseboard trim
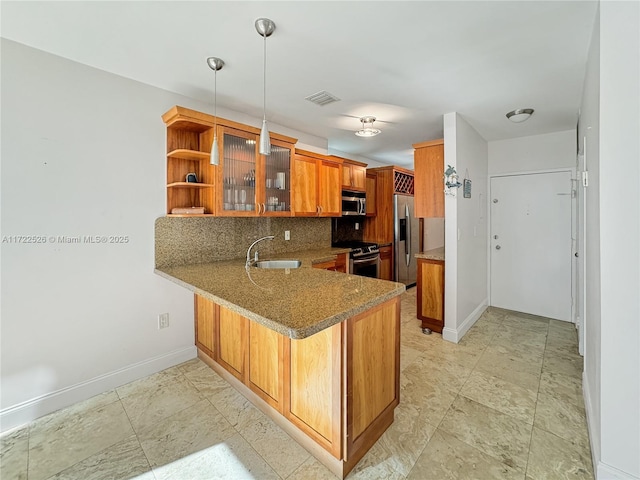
602	471
592	427
29	410
455	334
607	472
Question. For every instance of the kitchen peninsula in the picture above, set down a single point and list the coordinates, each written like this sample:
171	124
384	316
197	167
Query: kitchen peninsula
316	350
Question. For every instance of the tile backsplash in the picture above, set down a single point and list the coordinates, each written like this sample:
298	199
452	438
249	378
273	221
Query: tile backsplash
190	240
343	229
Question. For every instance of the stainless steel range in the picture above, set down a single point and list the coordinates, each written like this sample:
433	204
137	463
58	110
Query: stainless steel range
364	258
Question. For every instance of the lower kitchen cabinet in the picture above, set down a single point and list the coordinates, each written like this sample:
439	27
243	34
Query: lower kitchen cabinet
386	263
204	324
430	294
337	265
315	385
231	335
334	392
266	365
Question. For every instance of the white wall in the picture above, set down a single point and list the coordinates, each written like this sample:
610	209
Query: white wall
465	229
83	153
589	134
533	153
620	237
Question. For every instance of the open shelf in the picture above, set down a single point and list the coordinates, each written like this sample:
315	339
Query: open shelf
186	154
189	185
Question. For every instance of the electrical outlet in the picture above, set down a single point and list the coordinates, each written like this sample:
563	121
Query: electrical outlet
287	235
357	226
163	321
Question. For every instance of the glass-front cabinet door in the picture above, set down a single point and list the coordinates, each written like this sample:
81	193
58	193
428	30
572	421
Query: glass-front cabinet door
251	184
237	173
277	180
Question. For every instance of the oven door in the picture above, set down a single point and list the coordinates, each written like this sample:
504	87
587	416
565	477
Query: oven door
367	266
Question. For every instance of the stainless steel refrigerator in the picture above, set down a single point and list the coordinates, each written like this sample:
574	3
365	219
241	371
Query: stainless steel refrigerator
406	236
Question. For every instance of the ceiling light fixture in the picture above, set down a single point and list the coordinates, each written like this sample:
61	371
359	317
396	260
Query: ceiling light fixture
265	28
520	115
367	129
215	64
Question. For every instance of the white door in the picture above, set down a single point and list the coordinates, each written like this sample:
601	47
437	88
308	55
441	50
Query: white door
531	244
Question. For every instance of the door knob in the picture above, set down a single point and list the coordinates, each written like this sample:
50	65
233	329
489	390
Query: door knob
498	247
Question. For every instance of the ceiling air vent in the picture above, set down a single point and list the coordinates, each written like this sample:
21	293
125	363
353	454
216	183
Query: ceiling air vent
322	98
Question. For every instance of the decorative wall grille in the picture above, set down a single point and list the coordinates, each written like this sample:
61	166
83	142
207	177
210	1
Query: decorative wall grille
403	183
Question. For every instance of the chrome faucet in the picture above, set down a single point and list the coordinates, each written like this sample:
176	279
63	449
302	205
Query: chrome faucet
270	237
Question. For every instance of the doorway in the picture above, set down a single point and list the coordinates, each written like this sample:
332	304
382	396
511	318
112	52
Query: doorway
531	243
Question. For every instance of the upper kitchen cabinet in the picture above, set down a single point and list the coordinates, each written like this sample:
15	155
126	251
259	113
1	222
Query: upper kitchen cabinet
389	181
245	183
252	184
190	178
371	182
353	174
429	186
316	189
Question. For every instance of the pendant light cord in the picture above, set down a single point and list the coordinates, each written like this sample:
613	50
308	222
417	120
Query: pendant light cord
215	102
264	81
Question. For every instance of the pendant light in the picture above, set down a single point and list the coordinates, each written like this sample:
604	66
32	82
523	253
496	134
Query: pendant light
265	28
215	64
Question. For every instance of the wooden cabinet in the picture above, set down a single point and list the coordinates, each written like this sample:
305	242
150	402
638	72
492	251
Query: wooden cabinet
430	294
334	392
245	183
337	265
204	324
315	184
315	387
386	262
247	350
253	184
266	365
188	150
371	182
389	181
353	174
231	341
429	183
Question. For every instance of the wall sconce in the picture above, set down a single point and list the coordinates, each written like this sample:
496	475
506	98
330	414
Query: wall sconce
451	181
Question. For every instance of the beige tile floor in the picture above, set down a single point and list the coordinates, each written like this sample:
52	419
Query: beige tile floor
505	403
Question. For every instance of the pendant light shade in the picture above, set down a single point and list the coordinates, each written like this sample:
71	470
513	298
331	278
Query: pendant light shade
265	141
265	28
215	64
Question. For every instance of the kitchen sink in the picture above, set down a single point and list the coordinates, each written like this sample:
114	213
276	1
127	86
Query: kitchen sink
277	264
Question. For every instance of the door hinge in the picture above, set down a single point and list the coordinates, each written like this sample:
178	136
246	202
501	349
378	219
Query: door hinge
585	179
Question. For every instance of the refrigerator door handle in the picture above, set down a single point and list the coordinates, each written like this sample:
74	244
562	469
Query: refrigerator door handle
407	243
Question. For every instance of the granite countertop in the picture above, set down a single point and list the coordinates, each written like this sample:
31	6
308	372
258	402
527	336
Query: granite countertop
433	254
295	302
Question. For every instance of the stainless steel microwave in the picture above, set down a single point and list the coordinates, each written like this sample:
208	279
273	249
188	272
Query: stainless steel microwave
353	203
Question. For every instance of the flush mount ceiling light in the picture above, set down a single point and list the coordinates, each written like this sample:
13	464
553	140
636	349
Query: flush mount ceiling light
215	64
367	129
520	115
265	28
